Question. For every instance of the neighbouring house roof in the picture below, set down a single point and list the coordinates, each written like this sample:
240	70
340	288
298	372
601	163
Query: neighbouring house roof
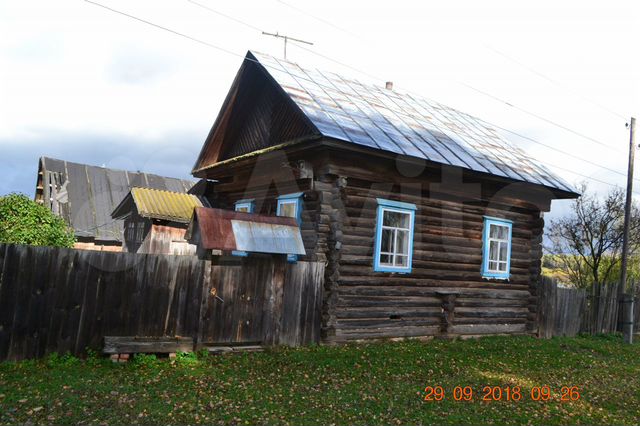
158	204
229	230
85	195
368	116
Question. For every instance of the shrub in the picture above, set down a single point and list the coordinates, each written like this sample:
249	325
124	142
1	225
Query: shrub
23	221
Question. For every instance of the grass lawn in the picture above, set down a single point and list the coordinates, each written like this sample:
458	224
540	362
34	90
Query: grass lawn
377	383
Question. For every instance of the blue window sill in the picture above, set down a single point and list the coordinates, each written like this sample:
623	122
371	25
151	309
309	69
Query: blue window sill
496	277
392	270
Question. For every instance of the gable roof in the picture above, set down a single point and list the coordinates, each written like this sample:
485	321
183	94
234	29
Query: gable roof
158	204
381	119
85	195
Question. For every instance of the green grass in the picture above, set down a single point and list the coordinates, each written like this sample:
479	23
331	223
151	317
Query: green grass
377	383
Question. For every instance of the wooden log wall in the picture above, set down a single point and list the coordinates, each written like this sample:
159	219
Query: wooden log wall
65	300
444	294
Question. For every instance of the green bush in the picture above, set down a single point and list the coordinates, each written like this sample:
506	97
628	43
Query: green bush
23	221
144	360
56	360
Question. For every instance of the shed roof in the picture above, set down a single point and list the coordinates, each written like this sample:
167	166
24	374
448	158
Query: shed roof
85	195
230	230
158	204
347	110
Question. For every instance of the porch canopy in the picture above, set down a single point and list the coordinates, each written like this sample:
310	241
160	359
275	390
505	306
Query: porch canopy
218	229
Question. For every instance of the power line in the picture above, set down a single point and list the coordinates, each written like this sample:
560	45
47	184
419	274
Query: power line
217	12
569	154
205	43
317	18
539	117
572	155
555	82
144	21
532	114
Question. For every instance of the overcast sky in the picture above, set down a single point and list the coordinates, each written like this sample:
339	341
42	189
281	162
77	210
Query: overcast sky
81	83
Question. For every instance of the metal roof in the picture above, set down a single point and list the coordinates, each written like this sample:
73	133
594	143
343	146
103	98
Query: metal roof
84	195
230	230
158	204
403	123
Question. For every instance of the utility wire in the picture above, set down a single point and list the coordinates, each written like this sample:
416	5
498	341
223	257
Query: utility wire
144	21
317	18
217	12
568	154
572	155
555	82
205	43
539	117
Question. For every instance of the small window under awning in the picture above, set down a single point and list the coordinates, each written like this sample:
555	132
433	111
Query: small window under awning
228	230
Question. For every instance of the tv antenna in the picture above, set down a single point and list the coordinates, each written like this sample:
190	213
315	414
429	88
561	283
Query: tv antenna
286	38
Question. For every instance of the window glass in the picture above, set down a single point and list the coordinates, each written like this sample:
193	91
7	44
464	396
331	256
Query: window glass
497	248
395	236
288	208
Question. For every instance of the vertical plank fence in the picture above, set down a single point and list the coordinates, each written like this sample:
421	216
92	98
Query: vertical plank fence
66	300
564	311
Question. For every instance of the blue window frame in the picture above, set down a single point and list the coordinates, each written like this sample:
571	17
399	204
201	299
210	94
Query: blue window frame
394	236
496	248
247	206
290	205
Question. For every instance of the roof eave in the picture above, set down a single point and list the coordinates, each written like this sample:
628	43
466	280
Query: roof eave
284	145
341	144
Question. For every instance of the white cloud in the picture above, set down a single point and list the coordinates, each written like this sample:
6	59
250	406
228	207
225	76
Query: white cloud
75	67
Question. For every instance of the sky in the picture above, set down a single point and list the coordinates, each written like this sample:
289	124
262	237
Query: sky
82	83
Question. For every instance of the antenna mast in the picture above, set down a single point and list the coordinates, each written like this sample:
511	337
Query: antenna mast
286	38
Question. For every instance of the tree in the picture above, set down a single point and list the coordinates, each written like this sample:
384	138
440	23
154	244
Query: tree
23	221
588	241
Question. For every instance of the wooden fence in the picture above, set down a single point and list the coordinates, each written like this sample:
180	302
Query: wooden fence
65	300
564	311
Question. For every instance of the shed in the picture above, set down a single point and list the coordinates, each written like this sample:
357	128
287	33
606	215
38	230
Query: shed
85	195
429	221
155	221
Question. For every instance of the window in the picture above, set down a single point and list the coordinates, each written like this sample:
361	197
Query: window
246	206
394	236
290	206
496	256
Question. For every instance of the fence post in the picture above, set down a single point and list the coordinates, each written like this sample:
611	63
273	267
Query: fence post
626	307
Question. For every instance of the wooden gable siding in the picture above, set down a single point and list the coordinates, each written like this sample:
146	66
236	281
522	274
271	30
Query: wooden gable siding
268	118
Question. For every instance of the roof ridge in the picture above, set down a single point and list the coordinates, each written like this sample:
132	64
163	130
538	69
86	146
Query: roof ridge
44	157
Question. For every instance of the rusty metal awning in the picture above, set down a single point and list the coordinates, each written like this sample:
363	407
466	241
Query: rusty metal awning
227	230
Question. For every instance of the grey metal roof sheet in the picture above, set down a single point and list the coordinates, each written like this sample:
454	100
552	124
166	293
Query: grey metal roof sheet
379	118
94	192
259	237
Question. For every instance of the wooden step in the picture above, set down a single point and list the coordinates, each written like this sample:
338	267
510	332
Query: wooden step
146	344
218	350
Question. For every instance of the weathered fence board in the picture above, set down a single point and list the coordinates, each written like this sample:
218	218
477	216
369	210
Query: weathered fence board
569	311
65	300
